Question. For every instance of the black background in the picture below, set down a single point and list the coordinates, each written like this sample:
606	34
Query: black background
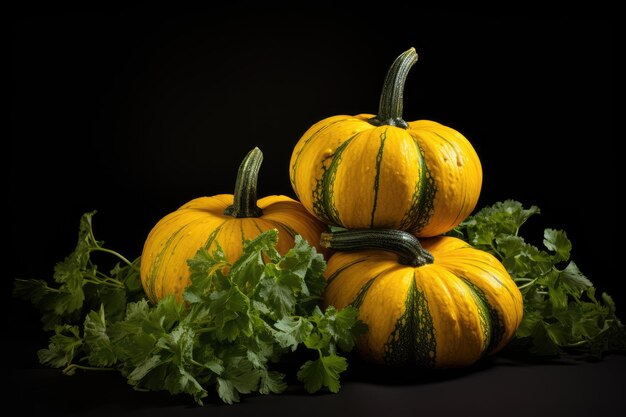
135	111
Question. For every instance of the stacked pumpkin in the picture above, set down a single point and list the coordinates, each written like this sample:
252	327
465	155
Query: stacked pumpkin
434	302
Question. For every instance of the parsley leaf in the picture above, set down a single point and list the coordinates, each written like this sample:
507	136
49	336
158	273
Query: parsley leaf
97	339
292	331
64	346
561	311
80	285
238	319
240	316
322	372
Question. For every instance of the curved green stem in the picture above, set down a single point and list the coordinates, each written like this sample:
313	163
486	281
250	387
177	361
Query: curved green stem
495	250
406	245
391	98
528	284
92	279
70	368
244	204
112	252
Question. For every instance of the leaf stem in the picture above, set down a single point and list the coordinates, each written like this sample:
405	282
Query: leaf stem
493	248
579	343
195	362
73	366
206	330
528	284
112	252
92	279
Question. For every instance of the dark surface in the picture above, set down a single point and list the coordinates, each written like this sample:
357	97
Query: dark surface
137	110
497	388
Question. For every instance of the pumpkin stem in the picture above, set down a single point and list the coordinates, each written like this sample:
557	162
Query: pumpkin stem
406	245
244	204
390	106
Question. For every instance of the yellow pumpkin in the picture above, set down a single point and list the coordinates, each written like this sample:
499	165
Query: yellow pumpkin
223	219
439	304
368	171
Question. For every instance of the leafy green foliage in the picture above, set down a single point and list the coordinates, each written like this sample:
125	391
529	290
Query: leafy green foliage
81	286
561	310
240	317
237	321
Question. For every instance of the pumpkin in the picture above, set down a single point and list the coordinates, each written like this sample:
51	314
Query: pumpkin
368	171
225	219
440	304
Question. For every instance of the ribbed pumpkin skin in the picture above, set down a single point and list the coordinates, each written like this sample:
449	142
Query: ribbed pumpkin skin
178	236
446	314
425	179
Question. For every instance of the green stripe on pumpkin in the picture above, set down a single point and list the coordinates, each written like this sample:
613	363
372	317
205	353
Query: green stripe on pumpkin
379	158
412	342
343	268
323	205
290	231
496	279
294	167
358	300
158	261
489	317
243	234
257	226
213	235
483	311
423	198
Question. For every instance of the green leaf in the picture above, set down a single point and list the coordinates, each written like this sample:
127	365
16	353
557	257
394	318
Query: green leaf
542	343
129	275
143	368
504	217
35	290
522	259
238	318
531	319
303	261
240	377
271	382
318	341
323	372
584	327
573	279
55	303
64	346
279	290
247	270
101	352
227	391
80	286
342	327
561	312
292	331
205	275
558	333
229	309
348	327
516	254
557	242
558	298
